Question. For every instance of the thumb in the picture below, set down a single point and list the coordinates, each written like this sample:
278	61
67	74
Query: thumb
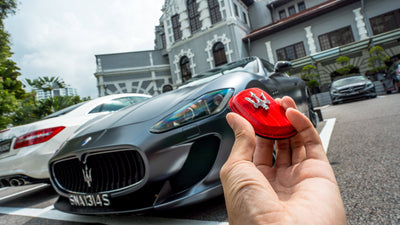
245	139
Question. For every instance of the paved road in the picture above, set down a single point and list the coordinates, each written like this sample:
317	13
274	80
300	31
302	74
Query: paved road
362	139
365	154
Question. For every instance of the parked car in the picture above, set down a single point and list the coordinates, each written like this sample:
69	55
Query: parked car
168	151
25	150
350	88
394	73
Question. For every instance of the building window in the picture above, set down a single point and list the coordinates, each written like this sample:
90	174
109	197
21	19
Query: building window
291	52
245	18
282	14
236	10
163	41
194	15
215	14
185	68
176	27
385	22
301	6
219	54
291	10
336	38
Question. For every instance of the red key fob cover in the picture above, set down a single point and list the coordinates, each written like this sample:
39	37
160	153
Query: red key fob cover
266	116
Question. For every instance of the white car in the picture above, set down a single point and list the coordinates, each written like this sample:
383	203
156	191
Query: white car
25	150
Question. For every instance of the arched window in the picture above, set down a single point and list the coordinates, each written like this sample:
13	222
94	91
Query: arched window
194	15
219	54
215	14
185	68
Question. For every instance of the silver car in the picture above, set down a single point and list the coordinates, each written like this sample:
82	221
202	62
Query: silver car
351	88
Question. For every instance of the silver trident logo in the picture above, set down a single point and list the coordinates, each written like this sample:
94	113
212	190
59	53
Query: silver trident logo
87	175
262	101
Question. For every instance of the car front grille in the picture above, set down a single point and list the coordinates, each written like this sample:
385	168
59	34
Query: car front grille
99	172
352	89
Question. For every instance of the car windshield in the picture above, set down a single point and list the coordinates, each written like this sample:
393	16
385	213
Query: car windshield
348	80
117	104
247	65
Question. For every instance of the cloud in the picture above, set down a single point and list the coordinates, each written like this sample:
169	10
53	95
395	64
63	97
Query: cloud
60	38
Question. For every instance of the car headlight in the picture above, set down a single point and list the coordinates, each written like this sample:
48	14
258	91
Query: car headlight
204	106
334	91
370	85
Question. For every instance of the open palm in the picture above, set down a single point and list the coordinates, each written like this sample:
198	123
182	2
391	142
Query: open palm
299	188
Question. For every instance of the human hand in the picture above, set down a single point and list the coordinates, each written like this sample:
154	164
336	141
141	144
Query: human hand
300	188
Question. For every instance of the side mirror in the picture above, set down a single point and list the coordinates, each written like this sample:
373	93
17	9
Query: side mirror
282	66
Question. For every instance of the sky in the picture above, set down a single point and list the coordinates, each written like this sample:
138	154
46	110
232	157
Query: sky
61	38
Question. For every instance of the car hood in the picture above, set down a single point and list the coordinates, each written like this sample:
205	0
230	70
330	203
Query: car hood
156	107
162	105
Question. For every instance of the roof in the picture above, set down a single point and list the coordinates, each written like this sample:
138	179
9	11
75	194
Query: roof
295	19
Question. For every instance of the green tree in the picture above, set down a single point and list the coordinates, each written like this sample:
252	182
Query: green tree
11	92
310	76
32	110
343	61
45	84
7	7
26	112
345	69
377	60
48	84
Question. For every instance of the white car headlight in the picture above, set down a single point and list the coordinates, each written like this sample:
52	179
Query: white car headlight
204	106
370	84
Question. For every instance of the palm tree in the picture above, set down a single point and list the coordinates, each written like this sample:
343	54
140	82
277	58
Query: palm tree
49	84
32	83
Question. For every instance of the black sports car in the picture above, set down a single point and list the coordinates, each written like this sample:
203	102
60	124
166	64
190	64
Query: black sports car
166	151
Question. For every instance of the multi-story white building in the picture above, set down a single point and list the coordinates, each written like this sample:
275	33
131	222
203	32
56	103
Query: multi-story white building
68	90
197	35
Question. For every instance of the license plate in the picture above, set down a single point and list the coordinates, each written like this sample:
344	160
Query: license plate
5	146
90	200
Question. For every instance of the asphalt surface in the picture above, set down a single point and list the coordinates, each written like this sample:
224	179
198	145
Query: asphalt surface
363	150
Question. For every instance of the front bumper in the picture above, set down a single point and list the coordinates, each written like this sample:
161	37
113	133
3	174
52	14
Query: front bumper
365	93
181	167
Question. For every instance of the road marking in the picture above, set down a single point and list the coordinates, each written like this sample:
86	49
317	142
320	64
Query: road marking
117	220
322	107
23	192
326	133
